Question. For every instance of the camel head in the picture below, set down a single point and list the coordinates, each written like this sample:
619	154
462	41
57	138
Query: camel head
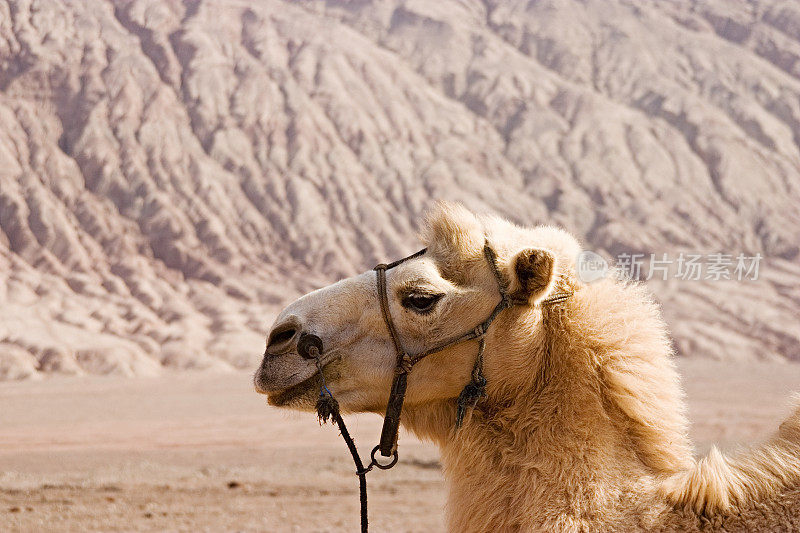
441	294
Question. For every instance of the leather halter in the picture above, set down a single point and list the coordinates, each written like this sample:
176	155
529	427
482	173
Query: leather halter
405	361
328	407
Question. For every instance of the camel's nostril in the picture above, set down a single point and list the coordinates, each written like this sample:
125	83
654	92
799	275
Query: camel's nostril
280	336
309	346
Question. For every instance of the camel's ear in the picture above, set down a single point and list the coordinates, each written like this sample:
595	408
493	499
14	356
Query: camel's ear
534	270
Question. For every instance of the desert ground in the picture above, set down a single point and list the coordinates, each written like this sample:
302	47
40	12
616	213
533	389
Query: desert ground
203	452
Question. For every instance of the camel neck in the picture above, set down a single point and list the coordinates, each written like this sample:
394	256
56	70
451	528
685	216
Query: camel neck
509	468
548	452
559	464
583	429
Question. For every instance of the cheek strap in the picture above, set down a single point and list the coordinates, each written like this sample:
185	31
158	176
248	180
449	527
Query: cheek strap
405	361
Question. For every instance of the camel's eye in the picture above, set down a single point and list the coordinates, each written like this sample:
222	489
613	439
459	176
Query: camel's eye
420	302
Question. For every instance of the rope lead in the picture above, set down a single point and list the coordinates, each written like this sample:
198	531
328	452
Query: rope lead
328	409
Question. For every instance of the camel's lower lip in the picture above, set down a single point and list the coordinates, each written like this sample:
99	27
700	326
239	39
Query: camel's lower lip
286	396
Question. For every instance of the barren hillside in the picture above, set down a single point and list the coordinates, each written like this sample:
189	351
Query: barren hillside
171	174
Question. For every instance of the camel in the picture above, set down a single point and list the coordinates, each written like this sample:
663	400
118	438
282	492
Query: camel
583	425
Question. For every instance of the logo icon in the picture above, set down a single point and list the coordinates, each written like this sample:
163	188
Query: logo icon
591	266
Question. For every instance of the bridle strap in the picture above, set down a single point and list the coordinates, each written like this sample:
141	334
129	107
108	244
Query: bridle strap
328	407
391	420
383	297
405	361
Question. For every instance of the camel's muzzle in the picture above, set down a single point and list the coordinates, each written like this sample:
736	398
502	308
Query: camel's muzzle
282	369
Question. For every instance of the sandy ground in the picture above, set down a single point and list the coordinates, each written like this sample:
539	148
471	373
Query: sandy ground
202	452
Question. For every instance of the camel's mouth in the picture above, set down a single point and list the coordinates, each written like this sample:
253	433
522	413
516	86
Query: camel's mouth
298	394
288	392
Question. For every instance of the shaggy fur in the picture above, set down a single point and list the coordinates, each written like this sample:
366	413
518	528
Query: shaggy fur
584	425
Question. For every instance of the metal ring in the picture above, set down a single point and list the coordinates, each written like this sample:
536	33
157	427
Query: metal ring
376	463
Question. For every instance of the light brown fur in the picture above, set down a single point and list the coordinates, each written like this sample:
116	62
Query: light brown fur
584	425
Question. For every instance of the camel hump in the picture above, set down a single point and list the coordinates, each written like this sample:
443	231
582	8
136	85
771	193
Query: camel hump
719	484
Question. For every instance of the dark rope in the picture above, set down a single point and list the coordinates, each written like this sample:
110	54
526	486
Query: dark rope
327	409
474	390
